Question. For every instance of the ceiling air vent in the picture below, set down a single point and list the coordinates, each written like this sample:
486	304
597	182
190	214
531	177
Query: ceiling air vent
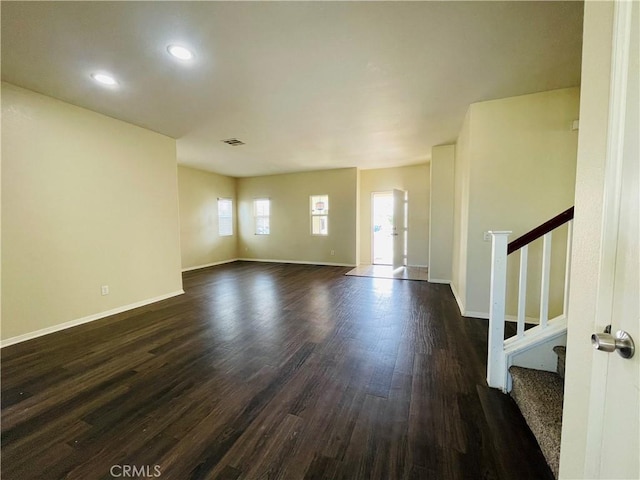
234	142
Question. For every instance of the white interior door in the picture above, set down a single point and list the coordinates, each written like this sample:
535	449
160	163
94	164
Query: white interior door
399	228
613	438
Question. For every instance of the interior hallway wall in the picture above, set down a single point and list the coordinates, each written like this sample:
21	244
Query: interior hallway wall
200	243
87	201
519	163
441	218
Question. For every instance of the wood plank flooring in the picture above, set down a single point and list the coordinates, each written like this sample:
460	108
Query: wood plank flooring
266	371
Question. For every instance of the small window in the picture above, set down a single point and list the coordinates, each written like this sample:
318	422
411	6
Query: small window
319	214
261	213
225	217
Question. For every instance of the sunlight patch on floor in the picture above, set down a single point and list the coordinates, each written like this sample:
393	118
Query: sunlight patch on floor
387	271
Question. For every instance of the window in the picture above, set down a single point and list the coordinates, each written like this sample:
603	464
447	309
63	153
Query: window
261	212
319	214
225	217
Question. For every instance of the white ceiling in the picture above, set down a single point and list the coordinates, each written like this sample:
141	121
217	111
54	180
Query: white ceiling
307	85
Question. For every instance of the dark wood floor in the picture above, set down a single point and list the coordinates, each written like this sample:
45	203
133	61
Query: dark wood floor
266	371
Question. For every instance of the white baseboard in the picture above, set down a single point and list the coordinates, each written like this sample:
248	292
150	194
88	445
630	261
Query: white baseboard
439	280
198	267
368	264
514	318
80	321
301	262
463	312
457	297
507	318
483	315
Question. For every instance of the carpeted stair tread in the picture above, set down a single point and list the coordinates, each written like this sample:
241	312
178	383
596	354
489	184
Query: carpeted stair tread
539	395
562	355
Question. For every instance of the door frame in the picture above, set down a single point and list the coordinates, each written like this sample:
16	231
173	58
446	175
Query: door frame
610	220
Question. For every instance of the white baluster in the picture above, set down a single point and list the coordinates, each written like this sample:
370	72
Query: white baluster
522	289
496	373
544	285
567	268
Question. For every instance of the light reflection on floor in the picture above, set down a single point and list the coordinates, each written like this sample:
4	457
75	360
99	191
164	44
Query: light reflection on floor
387	271
382	285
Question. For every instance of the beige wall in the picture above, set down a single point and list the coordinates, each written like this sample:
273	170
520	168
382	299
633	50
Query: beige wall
520	162
412	179
592	147
441	218
462	156
86	201
200	242
290	238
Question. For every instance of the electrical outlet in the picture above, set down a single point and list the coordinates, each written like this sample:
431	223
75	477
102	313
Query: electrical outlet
333	252
104	289
486	236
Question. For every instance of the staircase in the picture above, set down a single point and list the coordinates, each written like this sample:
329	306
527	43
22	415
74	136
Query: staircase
539	395
530	365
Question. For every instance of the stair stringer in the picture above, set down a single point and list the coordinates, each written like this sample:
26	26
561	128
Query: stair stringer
535	348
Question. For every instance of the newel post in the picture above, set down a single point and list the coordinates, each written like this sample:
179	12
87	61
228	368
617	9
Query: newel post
496	374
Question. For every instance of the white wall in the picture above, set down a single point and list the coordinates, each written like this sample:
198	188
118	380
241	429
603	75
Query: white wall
86	201
414	180
290	238
200	242
441	217
594	108
518	156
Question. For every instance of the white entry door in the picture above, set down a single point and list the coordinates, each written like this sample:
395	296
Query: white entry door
399	228
613	438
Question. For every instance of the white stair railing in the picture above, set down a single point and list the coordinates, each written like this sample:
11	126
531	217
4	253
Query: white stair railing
497	358
497	309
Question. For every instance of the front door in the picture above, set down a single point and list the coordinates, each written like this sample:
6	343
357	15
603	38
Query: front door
399	230
613	438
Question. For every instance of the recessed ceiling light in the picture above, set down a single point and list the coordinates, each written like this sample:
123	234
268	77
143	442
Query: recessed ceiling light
104	79
179	52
